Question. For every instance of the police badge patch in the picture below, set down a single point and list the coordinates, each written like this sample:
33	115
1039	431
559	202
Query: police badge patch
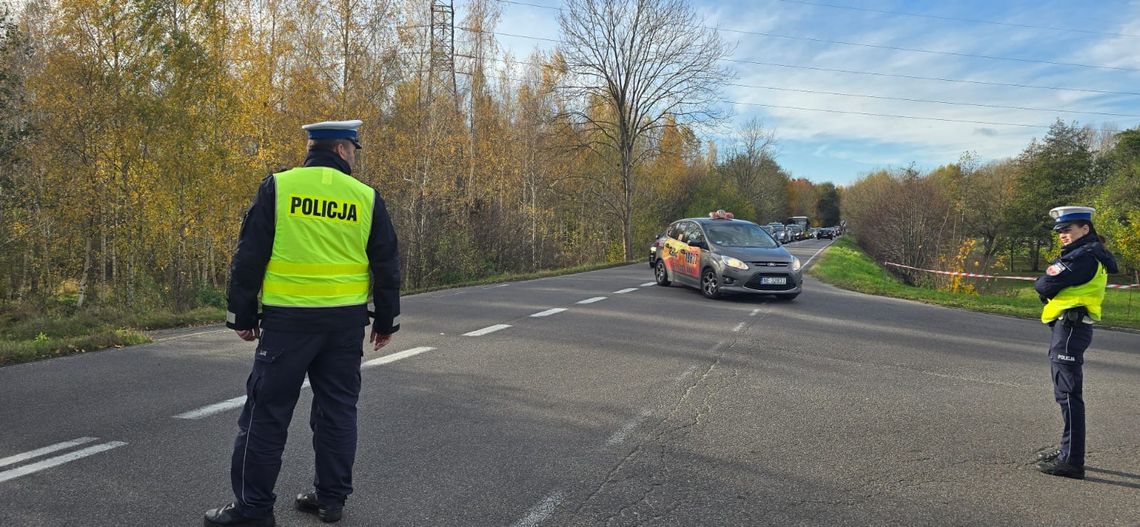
1056	269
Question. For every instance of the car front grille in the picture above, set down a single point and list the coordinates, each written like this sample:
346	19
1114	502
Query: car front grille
769	264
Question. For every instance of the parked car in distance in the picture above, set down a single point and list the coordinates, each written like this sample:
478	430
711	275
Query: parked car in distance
826	232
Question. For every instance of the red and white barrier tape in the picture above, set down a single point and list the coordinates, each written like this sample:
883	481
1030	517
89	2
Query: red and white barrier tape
975	275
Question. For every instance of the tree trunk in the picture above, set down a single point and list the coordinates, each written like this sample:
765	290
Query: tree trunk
83	278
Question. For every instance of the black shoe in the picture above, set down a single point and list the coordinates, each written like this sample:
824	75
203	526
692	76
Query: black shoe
230	517
327	513
1048	455
1057	467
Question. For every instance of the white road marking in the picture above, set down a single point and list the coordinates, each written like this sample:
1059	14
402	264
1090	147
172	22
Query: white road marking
45	450
188	335
738	327
58	460
817	254
592	300
623	432
205	411
686	373
647	284
626	290
548	312
396	356
754	312
486	330
238	402
540	512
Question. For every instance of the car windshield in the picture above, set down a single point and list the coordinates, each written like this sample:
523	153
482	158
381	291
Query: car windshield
739	235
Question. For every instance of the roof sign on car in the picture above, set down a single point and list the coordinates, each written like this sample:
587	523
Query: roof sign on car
721	215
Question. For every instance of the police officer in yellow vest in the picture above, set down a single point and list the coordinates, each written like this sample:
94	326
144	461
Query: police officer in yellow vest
1072	290
316	244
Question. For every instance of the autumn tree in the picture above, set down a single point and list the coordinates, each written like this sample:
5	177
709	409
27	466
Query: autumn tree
644	60
752	166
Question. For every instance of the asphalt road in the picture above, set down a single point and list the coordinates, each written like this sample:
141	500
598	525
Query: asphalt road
652	406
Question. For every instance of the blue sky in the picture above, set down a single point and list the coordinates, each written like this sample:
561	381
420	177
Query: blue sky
1064	40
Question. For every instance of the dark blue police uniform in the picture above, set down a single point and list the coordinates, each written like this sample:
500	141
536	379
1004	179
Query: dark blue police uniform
324	343
1071	336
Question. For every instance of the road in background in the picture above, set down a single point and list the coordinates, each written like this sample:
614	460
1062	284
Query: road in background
519	404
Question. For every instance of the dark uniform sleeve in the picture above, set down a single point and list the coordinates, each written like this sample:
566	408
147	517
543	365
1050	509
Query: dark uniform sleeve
247	270
384	261
1073	271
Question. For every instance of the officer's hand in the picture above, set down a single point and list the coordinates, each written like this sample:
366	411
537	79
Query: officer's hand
379	341
248	334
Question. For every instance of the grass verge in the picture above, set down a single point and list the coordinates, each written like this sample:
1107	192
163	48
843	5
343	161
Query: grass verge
845	265
29	336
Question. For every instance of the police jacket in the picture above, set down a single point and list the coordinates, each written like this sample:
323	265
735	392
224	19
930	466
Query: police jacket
255	245
1077	265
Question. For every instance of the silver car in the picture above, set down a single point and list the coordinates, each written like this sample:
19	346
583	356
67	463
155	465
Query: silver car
718	254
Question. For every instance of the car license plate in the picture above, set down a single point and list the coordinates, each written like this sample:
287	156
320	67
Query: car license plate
773	280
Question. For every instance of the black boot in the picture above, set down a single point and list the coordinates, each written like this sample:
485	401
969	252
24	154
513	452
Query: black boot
1048	455
327	513
1057	467
229	516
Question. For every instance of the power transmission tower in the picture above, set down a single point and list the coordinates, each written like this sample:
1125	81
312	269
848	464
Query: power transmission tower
442	51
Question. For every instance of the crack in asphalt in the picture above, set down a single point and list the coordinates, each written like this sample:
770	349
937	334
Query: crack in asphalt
666	434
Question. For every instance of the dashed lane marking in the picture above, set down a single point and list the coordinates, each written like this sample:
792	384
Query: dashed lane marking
396	356
647	284
486	330
45	450
205	411
238	402
58	460
548	312
626	290
738	327
623	432
540	512
754	312
592	300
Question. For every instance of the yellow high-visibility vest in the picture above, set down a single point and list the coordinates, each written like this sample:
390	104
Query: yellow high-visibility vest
323	220
1089	294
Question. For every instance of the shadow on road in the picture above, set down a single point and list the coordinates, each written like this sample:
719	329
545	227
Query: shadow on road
1126	484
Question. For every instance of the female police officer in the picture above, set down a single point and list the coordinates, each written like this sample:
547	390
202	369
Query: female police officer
1072	289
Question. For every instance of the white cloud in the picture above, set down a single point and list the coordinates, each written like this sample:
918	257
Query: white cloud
898	141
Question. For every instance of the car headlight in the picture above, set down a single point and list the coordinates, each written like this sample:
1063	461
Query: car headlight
735	264
795	264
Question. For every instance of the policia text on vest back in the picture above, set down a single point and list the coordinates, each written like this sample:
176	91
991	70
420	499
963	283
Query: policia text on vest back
323	220
314	246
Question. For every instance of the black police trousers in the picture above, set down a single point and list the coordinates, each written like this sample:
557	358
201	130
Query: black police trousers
1066	357
332	362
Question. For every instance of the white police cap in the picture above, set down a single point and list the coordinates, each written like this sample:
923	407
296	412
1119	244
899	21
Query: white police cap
1063	216
334	130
